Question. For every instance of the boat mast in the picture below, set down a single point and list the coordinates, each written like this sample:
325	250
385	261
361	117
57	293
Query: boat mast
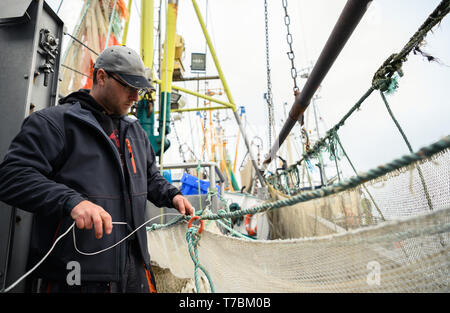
227	92
320	157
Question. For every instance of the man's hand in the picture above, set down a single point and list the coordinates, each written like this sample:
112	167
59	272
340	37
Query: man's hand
183	205
87	214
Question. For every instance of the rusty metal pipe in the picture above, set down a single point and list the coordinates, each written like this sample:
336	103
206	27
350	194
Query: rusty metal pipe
348	20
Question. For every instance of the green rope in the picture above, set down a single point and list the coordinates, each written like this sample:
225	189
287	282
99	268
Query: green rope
233	232
198	182
396	122
354	169
422	179
172	222
393	85
324	141
337	168
352	182
192	237
382	78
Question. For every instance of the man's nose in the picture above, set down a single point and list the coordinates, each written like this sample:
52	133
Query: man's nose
134	94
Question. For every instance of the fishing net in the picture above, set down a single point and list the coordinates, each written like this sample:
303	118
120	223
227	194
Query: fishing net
409	191
386	230
97	20
390	234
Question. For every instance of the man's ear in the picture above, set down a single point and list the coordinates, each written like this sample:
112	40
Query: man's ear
101	77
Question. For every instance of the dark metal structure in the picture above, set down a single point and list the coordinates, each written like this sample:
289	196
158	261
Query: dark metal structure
348	20
30	37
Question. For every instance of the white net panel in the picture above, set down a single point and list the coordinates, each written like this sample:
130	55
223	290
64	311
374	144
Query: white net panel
323	216
402	193
338	243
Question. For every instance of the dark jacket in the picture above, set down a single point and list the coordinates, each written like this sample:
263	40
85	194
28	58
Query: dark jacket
62	156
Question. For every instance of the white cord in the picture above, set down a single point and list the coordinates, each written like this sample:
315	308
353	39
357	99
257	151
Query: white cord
119	242
84	253
39	263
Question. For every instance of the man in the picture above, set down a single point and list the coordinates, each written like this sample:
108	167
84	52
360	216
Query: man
86	161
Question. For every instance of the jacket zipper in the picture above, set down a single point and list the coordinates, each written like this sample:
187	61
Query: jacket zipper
131	155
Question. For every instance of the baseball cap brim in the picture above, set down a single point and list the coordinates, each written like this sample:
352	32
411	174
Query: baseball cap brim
135	81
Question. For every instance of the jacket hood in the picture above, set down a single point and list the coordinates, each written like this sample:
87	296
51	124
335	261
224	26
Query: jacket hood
85	99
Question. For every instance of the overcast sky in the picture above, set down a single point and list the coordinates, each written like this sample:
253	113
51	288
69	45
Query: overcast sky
237	29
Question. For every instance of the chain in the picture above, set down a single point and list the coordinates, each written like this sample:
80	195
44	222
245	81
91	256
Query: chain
178	140
269	83
291	56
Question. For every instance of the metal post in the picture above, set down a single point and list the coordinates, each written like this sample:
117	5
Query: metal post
167	74
184	79
212	185
346	24
322	167
213	53
227	90
147	32
199	95
247	144
198	87
195	109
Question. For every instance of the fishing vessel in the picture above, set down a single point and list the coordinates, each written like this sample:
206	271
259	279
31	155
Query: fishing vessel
281	205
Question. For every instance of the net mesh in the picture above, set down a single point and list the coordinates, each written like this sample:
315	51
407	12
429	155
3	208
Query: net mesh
339	243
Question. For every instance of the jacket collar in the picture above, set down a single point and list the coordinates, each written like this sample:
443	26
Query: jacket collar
77	111
82	114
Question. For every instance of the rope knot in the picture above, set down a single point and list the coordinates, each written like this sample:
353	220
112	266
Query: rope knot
193	238
383	80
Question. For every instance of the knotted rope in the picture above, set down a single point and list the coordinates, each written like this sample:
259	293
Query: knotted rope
193	238
383	76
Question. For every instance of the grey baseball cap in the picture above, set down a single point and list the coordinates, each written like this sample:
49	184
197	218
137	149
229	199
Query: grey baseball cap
126	64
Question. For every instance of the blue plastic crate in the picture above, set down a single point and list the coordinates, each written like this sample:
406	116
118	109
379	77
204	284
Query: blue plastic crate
189	185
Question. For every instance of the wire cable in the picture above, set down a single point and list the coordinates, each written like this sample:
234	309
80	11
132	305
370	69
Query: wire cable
81	43
84	253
